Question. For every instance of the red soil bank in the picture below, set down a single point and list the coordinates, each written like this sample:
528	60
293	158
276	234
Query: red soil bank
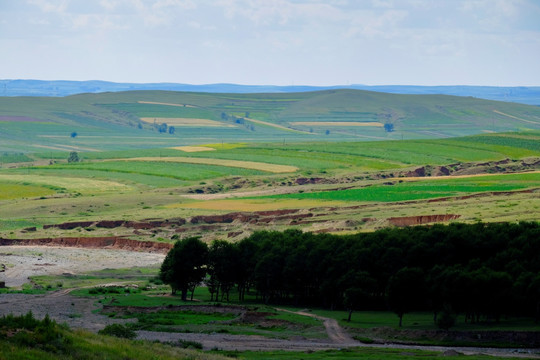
113	242
421	219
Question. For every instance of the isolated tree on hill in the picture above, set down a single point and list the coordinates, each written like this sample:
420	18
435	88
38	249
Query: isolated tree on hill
185	265
73	134
73	157
388	127
171	130
162	128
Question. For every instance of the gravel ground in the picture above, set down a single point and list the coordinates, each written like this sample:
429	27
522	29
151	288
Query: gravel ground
25	261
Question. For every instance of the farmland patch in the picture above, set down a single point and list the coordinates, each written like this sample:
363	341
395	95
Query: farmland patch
255	204
193	148
9	190
167	104
273	168
265	123
185	122
69	183
337	123
10	118
425	189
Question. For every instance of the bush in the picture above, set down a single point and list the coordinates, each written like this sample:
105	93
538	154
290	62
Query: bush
186	344
118	330
446	320
27	331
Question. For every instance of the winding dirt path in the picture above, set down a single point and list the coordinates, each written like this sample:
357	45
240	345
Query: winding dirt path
334	331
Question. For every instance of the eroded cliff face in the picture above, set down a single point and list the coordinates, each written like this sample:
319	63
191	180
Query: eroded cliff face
112	242
421	219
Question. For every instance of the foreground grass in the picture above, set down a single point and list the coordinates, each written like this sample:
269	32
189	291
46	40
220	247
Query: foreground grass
353	353
89	346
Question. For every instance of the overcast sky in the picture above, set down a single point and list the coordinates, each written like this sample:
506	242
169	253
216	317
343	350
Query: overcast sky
273	42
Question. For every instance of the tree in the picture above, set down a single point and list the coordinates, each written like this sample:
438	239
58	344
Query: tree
185	265
406	291
73	134
359	292
73	157
171	130
222	261
388	127
162	128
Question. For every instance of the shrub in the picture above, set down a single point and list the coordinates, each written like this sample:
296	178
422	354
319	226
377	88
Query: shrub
27	331
118	330
446	320
186	344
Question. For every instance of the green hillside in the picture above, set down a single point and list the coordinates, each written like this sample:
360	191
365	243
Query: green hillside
132	120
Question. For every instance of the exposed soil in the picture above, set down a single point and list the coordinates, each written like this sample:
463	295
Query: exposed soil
421	219
113	242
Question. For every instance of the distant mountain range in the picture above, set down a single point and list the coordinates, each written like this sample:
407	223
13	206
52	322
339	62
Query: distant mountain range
524	95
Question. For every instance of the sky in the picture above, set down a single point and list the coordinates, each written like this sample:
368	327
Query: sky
273	42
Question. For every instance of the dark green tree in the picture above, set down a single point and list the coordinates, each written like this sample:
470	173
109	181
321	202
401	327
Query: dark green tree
406	291
73	157
222	261
185	265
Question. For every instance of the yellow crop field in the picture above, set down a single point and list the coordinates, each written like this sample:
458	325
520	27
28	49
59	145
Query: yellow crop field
273	168
193	148
255	204
81	185
225	146
337	123
185	122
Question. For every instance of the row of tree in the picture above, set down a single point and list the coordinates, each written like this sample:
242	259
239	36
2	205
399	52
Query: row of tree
481	270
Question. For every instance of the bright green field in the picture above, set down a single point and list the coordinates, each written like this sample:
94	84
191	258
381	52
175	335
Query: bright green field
425	189
10	190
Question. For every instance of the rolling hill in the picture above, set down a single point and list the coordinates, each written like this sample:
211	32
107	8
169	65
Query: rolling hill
522	94
135	119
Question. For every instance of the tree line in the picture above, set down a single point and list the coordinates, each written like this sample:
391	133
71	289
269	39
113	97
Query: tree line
483	271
